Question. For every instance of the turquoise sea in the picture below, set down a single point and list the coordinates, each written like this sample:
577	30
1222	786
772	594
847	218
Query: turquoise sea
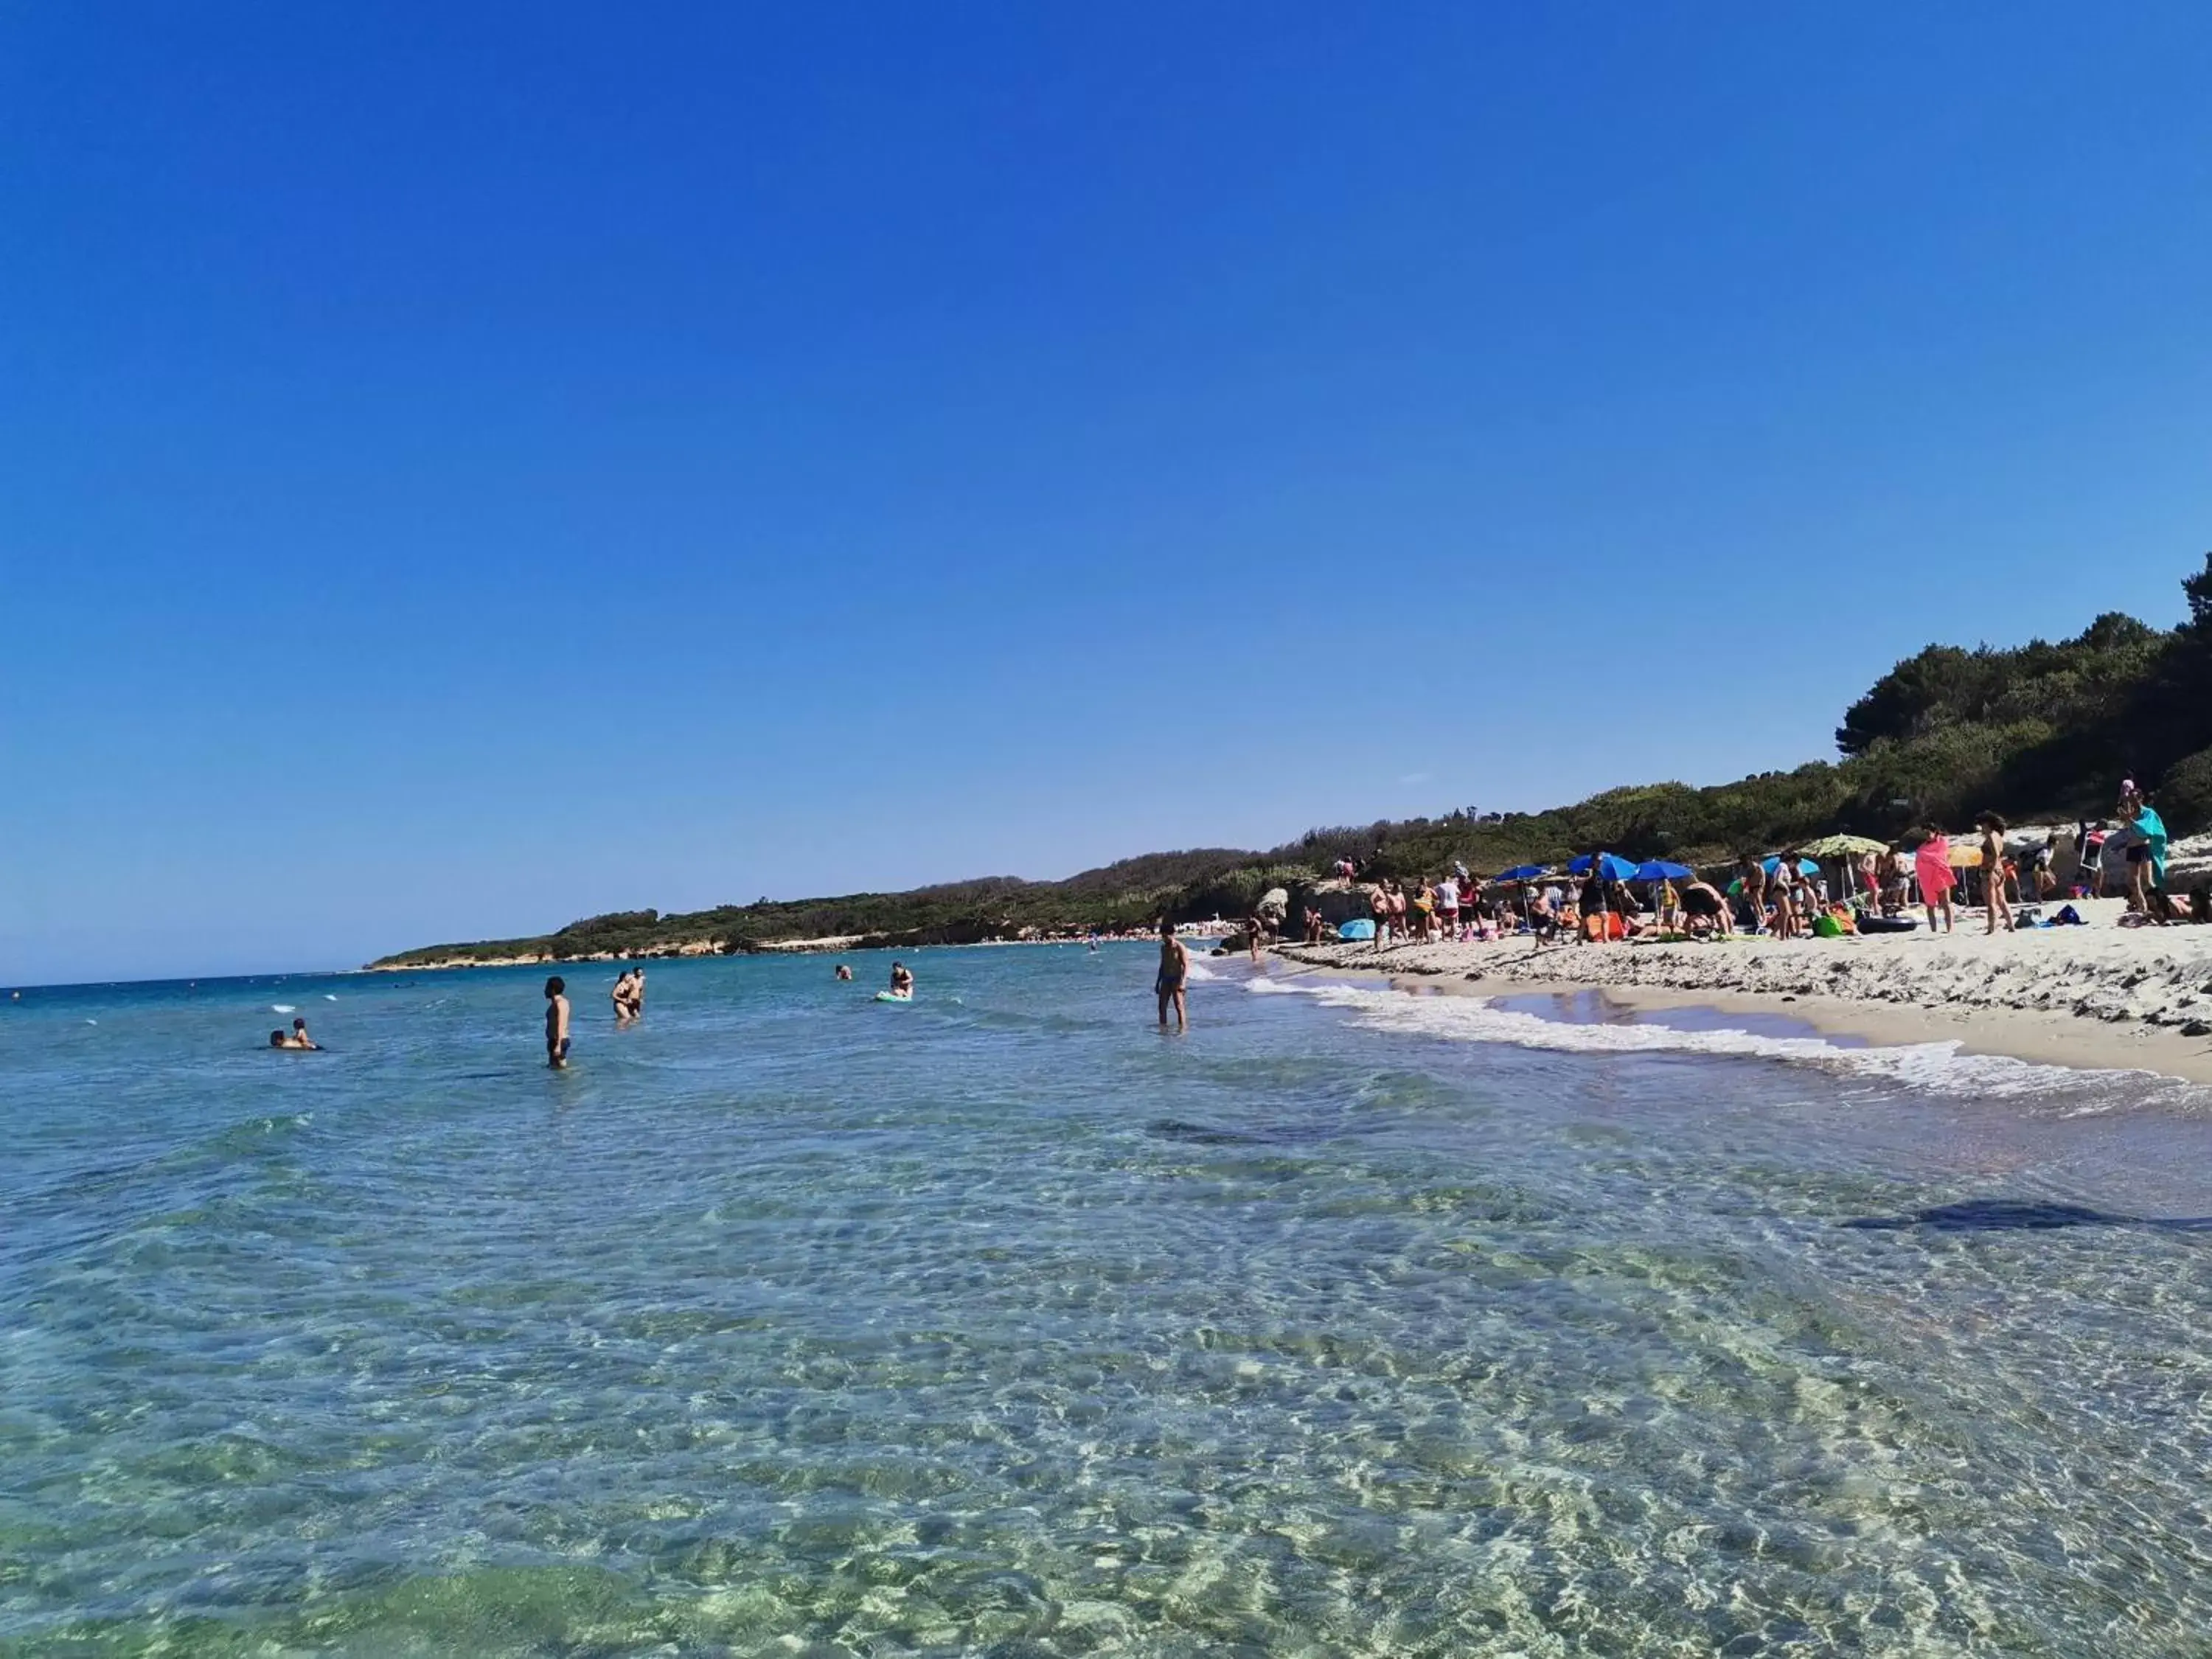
1354	1322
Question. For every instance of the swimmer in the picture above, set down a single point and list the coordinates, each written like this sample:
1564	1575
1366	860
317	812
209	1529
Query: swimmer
901	980
300	1037
1175	969
556	1023
279	1040
844	974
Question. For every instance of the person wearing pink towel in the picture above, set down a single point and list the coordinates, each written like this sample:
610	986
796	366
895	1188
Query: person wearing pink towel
1931	864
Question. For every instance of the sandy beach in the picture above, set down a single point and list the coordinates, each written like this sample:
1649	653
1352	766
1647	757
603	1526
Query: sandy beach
2099	995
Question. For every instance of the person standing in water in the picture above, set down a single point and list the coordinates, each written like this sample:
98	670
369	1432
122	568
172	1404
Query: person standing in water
620	997
556	1023
1175	969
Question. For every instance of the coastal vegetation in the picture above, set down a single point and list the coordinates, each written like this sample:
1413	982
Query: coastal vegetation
2036	730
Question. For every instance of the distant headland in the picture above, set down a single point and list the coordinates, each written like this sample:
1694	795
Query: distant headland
2039	730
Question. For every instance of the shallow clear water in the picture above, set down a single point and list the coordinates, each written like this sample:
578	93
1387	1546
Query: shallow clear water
1354	1323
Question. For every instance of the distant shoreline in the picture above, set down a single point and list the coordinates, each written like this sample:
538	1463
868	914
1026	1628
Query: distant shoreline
802	947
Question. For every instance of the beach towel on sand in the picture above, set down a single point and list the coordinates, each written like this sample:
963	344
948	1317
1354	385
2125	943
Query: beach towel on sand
1932	864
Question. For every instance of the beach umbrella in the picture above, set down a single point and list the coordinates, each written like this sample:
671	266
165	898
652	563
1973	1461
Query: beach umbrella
1964	855
1611	865
1805	866
1842	846
1523	873
1660	869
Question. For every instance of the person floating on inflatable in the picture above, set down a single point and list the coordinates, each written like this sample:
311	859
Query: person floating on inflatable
902	983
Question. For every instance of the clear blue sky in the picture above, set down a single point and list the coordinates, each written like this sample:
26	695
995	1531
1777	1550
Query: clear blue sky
463	468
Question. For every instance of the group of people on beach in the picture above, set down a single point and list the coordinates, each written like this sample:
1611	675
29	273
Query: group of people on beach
1784	895
1451	907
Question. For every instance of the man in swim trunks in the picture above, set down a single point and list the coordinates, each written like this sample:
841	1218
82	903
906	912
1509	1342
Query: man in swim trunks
1175	969
556	1023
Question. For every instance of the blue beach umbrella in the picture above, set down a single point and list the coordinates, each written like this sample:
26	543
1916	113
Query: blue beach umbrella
1805	866
1522	872
1611	865
1660	869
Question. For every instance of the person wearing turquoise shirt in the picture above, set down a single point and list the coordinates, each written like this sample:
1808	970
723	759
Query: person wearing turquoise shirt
2146	858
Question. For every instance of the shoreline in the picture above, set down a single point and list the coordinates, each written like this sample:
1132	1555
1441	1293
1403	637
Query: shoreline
2132	1000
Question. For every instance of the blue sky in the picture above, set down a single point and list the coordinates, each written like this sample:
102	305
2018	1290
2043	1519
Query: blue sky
465	468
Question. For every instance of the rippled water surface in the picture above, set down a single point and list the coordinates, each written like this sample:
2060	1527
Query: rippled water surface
1352	1324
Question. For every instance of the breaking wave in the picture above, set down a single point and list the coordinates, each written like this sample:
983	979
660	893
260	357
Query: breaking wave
1941	1066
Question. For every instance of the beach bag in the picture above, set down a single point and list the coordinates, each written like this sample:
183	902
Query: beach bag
1827	927
2068	917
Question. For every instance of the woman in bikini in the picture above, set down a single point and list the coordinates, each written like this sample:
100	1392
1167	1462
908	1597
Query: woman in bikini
1993	870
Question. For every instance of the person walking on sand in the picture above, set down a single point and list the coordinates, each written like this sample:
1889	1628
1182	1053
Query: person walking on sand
1931	866
1167	983
556	1023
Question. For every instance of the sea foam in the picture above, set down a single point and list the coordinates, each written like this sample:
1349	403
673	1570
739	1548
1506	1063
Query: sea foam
1941	1066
